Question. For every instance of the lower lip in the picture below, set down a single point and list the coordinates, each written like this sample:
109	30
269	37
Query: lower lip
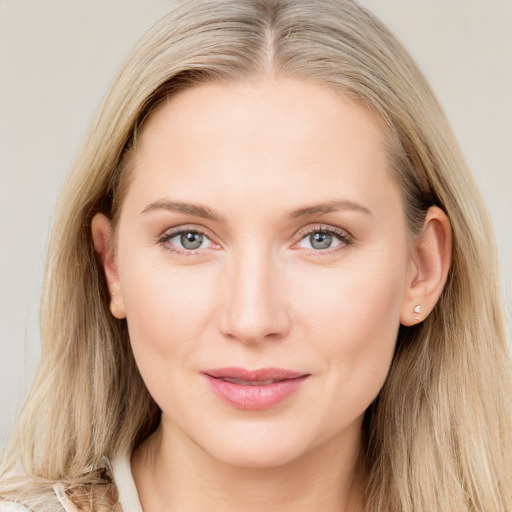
255	398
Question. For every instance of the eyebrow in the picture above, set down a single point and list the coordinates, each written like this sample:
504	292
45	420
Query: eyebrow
328	207
198	210
186	208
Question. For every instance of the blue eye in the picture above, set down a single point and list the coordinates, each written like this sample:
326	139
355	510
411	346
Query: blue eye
320	239
190	240
186	240
323	239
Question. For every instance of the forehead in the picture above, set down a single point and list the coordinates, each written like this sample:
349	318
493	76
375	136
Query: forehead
287	109
269	136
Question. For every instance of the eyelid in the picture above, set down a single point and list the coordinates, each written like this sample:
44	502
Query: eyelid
345	237
169	233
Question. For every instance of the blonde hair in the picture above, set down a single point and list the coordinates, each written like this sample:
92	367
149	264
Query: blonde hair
438	436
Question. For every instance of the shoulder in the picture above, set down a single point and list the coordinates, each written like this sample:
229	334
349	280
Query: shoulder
11	506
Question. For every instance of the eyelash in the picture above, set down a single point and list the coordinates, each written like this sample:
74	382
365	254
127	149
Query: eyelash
344	237
168	235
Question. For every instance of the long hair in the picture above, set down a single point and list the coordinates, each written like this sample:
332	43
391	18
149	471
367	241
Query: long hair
438	436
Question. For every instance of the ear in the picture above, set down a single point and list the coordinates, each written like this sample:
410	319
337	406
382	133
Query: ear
430	264
102	238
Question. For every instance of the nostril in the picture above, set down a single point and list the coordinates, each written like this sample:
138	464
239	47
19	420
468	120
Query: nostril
269	328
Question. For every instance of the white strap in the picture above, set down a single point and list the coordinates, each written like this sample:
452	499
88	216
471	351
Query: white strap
63	497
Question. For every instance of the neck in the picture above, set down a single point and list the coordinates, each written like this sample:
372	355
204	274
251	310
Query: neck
171	472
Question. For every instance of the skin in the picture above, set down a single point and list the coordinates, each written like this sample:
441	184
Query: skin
258	294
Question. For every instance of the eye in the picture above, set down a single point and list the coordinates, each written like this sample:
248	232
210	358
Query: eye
323	239
186	241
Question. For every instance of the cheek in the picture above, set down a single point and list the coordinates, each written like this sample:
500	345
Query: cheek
353	299
352	316
167	308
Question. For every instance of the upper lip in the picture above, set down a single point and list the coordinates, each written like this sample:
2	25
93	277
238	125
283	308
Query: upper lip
261	374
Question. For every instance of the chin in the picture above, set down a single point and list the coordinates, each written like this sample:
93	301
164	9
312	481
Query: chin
262	449
257	458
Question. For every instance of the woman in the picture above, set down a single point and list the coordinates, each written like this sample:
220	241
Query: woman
270	285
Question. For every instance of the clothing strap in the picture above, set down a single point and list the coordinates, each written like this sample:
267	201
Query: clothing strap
100	496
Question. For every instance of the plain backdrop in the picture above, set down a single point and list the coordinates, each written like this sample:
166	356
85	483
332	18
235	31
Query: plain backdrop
57	58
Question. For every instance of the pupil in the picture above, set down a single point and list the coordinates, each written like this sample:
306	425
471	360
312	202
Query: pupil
191	240
320	240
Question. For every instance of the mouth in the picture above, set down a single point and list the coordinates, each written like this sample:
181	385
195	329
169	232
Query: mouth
250	382
254	389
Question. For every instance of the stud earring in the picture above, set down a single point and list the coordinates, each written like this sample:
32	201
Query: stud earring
417	312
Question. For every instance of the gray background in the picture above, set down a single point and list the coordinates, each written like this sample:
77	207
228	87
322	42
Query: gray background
57	58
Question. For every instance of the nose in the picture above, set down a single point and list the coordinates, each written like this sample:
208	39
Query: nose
254	307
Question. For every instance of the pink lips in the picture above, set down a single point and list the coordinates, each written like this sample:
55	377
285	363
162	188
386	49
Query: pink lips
256	389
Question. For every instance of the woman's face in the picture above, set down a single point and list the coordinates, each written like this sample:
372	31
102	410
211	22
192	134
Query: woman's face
262	265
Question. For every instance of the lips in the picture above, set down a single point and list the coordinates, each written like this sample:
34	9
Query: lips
254	389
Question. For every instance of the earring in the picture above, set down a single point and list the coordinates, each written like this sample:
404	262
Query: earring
417	312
